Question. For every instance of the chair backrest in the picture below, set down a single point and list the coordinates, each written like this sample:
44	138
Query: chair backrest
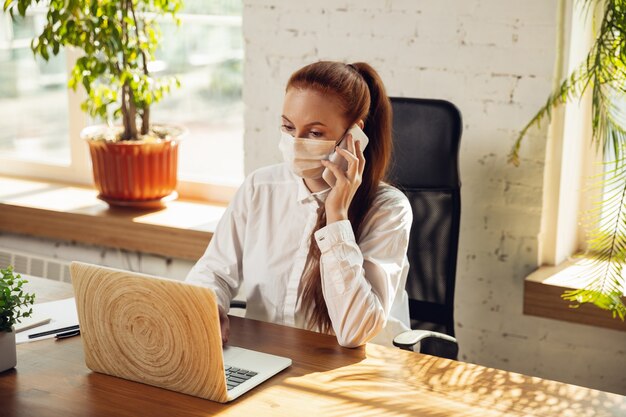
426	135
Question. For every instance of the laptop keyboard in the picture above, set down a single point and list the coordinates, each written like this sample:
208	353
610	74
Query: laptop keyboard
236	376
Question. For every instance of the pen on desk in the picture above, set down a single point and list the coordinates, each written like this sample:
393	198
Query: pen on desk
55	331
25	325
65	335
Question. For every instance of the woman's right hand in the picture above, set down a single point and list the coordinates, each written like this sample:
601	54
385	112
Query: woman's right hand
224	326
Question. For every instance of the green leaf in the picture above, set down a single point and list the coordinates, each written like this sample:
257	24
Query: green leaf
87	84
7	4
13	299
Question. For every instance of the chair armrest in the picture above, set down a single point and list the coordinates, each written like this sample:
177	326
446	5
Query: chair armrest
237	304
431	343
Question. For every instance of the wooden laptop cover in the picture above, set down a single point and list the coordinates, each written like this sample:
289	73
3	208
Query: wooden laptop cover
151	330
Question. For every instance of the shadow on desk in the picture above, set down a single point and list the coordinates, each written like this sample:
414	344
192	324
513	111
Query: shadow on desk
382	383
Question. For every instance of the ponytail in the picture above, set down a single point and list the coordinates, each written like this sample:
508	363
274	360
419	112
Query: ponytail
378	151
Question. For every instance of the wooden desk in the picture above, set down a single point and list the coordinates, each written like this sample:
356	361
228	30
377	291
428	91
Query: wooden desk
325	380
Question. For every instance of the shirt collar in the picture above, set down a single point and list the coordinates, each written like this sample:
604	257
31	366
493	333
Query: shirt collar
305	195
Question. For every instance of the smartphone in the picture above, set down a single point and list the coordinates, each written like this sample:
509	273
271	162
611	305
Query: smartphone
358	136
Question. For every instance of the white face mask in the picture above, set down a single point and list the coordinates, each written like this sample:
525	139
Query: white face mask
304	156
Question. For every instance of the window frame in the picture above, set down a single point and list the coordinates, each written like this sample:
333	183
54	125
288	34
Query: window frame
570	158
219	190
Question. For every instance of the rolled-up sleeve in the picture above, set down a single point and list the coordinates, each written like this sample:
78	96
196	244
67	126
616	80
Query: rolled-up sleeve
220	268
360	280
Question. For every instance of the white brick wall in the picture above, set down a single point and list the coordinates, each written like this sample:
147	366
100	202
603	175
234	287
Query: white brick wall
493	59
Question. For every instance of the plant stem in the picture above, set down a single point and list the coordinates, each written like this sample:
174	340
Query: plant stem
129	112
145	116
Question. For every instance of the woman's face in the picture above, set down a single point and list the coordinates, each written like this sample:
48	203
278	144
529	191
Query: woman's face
310	114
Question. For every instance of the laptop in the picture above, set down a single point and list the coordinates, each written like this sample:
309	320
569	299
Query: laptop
162	332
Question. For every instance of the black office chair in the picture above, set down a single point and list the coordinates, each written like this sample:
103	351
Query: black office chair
426	135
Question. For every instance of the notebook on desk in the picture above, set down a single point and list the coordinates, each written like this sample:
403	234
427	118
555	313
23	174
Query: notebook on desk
164	333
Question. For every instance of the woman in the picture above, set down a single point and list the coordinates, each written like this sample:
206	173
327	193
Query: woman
330	259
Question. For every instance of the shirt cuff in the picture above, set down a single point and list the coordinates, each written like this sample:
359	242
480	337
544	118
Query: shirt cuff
337	232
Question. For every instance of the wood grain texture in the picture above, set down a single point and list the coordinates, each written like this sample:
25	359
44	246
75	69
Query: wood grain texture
325	380
544	300
155	331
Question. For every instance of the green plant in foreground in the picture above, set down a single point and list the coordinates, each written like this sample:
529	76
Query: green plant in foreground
13	299
604	72
117	39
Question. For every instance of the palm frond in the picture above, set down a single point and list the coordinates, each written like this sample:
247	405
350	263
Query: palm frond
604	72
607	242
573	86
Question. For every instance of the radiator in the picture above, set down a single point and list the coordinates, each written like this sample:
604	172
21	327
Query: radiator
35	265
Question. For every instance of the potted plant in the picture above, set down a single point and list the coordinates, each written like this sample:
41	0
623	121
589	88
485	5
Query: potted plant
134	163
13	301
603	74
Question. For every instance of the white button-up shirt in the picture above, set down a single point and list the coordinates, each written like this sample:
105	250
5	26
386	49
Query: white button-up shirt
263	241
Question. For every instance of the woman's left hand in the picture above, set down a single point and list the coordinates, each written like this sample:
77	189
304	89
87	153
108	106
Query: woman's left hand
341	195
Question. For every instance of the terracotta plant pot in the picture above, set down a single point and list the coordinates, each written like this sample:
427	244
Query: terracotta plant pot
8	356
133	173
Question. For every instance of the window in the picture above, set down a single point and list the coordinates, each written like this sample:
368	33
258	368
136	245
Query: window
41	119
573	171
33	125
569	157
206	52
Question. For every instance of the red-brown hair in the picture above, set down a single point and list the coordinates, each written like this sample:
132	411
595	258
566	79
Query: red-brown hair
362	96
